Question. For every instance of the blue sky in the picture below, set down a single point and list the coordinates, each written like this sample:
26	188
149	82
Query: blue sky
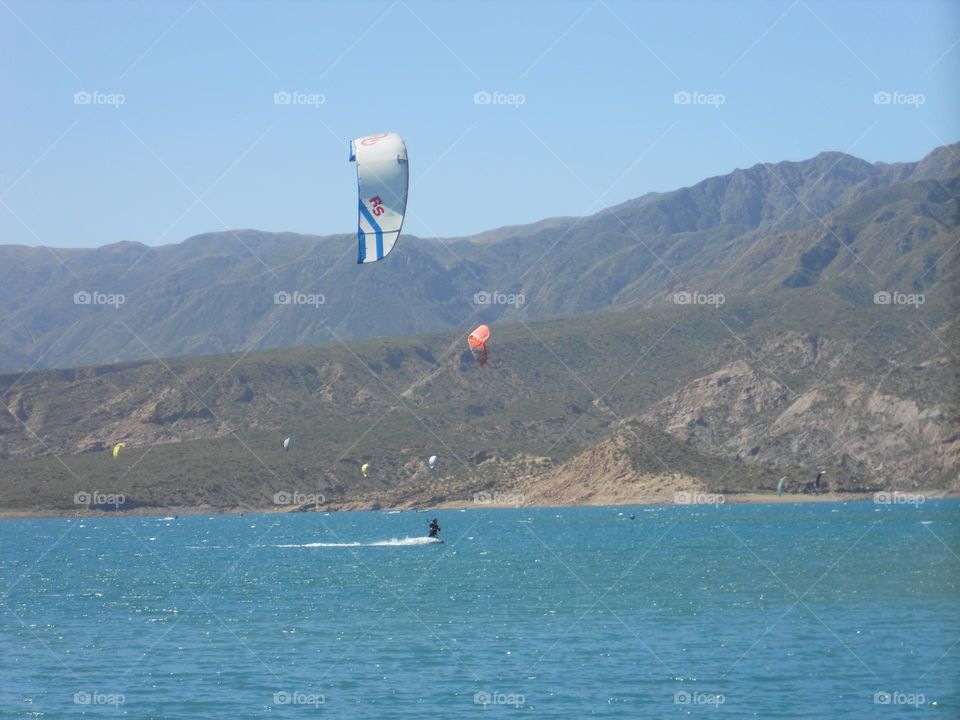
182	134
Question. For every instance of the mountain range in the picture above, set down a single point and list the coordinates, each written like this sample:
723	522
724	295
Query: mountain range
773	323
771	227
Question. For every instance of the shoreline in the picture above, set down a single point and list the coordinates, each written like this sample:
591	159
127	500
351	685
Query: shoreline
712	499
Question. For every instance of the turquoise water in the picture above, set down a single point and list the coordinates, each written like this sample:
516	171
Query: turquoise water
805	610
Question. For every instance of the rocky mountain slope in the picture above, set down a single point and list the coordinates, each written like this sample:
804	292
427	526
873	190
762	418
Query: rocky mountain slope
615	406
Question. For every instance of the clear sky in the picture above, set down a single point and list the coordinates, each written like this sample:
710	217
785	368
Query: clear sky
179	132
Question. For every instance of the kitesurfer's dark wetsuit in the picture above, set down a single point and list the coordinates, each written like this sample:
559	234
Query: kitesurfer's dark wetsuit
434	528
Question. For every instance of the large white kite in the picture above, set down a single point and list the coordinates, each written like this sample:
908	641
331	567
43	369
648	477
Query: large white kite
382	178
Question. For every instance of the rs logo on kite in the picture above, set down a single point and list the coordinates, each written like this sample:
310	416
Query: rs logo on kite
377	204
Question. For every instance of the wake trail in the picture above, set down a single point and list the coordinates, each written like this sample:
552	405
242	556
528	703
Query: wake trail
393	542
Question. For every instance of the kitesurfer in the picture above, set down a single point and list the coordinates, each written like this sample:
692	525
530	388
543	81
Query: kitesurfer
434	528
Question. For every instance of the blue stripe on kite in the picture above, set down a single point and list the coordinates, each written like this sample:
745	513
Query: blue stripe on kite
376	228
363	247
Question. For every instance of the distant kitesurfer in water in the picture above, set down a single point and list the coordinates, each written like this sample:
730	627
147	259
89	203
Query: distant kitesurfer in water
434	528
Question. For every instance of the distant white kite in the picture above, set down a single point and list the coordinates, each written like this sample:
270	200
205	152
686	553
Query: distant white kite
382	180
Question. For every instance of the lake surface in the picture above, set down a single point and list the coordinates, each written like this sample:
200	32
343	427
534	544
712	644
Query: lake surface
795	610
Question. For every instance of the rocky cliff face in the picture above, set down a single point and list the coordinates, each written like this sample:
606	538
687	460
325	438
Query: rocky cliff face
606	473
874	436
